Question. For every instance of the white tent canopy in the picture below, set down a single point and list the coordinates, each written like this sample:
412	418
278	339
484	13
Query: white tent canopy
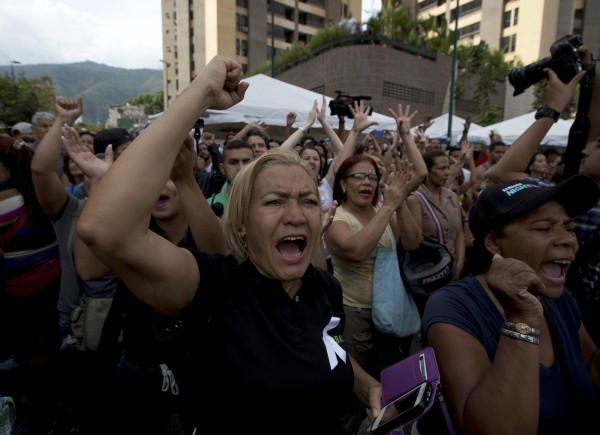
439	128
270	100
512	128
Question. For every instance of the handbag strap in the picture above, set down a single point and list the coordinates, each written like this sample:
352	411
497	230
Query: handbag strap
442	401
433	216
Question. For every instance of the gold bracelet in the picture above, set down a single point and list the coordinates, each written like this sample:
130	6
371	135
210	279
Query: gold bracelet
519	336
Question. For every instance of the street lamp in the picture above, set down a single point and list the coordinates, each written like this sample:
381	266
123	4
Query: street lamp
167	65
12	70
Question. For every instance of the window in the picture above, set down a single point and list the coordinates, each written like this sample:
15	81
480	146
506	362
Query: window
241	23
237	46
242	3
508	44
469	30
516	17
504	44
244	47
506	21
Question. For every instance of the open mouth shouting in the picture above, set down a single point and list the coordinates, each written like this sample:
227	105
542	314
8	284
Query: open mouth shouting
555	271
291	247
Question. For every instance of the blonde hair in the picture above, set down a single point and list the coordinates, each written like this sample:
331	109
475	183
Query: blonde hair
240	198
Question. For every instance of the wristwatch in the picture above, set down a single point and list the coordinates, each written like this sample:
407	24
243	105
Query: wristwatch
547	112
522	328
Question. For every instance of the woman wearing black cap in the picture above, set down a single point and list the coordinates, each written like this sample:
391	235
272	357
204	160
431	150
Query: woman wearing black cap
511	347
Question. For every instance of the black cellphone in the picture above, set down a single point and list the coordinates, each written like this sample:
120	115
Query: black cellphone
403	409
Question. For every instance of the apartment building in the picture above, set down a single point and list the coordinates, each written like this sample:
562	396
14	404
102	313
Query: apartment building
249	31
523	30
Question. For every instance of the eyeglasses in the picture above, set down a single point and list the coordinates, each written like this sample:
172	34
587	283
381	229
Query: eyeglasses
361	176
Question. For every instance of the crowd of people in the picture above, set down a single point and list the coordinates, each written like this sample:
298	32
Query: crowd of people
172	283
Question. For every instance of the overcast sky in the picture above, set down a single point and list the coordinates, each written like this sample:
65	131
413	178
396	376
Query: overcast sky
119	33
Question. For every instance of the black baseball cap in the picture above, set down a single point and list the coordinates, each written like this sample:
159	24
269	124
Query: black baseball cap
110	136
499	204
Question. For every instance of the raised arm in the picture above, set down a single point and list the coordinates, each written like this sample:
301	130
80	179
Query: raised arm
49	189
513	164
296	136
411	151
114	222
87	265
336	143
241	135
361	122
357	246
206	227
289	122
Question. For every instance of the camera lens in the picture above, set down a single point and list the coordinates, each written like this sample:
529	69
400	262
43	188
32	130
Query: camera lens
522	77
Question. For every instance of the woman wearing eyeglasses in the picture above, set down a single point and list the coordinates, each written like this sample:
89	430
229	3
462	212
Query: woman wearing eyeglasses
359	227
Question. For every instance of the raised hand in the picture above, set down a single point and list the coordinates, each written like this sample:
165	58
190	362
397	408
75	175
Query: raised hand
185	161
403	118
208	138
290	119
322	115
221	79
68	109
327	215
558	94
427	123
398	186
361	116
467	124
466	149
89	164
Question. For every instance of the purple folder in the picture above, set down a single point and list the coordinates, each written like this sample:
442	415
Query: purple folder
407	374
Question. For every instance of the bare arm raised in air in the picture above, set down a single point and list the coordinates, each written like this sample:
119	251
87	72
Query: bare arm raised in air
49	189
513	164
114	223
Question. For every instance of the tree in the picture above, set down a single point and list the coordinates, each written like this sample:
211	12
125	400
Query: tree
153	103
22	97
482	69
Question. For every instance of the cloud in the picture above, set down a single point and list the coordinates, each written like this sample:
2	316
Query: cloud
125	33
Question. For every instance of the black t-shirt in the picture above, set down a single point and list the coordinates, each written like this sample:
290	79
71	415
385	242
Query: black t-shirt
259	359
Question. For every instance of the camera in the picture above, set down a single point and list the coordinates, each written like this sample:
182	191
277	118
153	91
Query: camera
564	60
339	105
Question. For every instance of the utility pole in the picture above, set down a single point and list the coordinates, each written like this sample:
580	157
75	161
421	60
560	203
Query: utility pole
453	78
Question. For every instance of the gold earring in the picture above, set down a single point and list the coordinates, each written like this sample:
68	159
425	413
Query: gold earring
242	231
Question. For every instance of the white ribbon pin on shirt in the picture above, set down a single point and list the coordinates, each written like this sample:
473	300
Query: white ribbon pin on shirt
332	347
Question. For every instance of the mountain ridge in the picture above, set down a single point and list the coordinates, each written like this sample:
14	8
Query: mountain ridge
100	85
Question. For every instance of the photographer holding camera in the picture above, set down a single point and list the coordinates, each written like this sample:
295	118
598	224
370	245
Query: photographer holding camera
583	278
